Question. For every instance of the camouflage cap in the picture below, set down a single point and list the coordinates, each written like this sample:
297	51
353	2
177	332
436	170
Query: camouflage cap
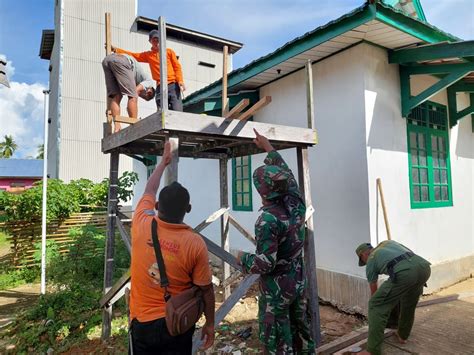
362	248
271	181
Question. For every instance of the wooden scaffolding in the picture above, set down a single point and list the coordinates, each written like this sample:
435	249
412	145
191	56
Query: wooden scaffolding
200	136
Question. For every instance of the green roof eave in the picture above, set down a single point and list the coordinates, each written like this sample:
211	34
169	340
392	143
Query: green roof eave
417	28
299	45
353	19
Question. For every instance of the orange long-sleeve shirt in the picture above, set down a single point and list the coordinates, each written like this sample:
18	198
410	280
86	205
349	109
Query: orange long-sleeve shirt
175	74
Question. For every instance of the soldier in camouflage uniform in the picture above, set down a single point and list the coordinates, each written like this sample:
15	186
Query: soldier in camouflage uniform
284	326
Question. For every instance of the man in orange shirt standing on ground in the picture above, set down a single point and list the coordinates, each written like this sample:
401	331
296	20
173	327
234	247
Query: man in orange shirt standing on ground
186	259
175	75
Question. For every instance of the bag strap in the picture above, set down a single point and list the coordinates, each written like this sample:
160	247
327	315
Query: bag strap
164	282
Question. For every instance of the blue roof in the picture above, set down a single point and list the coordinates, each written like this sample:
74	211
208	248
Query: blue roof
21	168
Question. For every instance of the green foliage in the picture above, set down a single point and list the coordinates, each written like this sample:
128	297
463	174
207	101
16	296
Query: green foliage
63	199
69	312
40	154
7	147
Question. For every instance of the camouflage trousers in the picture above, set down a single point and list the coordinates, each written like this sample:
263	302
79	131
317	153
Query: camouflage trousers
284	326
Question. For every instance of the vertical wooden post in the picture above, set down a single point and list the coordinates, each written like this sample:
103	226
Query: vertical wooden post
171	173
163	67
309	246
110	241
384	209
224	199
108	50
225	103
108	34
309	94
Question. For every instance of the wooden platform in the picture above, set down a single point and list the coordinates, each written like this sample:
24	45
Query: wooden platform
202	136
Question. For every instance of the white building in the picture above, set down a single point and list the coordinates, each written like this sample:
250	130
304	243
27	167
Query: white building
75	49
370	125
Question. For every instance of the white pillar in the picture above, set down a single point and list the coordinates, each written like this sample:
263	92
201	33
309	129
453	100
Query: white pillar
45	186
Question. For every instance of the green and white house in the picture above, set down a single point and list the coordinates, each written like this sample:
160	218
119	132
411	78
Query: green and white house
393	99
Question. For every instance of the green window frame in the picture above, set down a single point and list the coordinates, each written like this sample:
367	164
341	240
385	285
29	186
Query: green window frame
242	184
428	156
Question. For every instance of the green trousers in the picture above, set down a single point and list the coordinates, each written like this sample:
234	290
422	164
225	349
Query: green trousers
405	291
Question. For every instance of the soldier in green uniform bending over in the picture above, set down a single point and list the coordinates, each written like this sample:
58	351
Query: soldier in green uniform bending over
408	274
284	327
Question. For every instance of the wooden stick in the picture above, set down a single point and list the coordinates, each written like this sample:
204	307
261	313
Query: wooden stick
171	173
212	218
251	111
108	129
384	209
309	246
124	235
108	34
224	200
225	102
123	119
309	94
163	67
110	241
237	108
242	230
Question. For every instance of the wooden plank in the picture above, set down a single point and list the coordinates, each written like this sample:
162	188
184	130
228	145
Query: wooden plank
123	119
237	108
438	300
123	233
361	343
252	110
309	94
129	134
224	201
228	304
108	34
119	286
225	101
309	246
384	208
344	341
171	173
249	236
215	249
110	241
212	218
163	66
208	125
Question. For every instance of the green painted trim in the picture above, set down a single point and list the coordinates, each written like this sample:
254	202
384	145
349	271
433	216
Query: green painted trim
419	10
427	131
438	69
433	52
235	206
411	26
215	103
435	88
454	114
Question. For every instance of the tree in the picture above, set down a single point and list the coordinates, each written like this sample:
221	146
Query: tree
7	147
40	152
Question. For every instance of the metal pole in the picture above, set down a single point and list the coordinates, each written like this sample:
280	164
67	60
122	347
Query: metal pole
163	67
45	187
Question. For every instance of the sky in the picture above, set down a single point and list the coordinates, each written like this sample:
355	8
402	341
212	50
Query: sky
262	26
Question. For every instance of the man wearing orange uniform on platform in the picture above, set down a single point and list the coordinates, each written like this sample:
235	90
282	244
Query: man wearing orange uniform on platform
175	75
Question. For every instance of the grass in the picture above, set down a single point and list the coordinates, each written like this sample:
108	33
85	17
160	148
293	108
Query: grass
4	243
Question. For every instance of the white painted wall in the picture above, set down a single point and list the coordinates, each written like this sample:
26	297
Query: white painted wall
438	234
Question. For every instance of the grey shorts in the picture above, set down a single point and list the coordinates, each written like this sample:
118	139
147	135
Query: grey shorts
119	77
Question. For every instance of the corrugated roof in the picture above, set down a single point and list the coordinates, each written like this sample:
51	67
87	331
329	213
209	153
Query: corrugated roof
21	168
364	18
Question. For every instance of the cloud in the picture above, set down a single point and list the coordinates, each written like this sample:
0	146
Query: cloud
21	115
